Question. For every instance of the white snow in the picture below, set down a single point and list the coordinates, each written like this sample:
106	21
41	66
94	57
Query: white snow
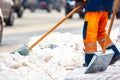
58	57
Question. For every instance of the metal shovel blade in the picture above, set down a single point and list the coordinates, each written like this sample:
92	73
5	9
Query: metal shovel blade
100	62
22	51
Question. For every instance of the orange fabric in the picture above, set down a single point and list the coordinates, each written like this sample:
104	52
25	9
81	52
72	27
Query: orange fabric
109	43
95	31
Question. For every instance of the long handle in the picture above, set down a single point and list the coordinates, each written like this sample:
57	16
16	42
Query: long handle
53	28
111	23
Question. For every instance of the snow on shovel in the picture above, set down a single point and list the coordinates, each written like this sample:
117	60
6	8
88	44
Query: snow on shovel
25	50
101	60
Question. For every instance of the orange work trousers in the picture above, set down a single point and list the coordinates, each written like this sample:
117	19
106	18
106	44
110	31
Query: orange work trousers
95	30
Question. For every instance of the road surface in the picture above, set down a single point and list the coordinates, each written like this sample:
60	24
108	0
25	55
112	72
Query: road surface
35	24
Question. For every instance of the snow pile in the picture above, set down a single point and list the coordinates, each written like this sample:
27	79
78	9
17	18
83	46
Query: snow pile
52	59
58	57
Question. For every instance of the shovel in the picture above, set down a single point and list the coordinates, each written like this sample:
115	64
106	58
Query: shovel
25	50
101	60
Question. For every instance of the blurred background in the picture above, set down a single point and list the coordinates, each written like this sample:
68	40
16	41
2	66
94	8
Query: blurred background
22	19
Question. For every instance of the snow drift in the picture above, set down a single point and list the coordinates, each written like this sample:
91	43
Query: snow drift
58	57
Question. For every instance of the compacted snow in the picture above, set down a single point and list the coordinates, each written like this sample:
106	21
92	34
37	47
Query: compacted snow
58	57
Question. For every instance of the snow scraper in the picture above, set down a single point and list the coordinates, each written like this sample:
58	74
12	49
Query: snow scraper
25	50
101	60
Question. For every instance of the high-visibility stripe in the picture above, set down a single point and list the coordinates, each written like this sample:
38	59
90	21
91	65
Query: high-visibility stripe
90	48
90	51
102	40
90	44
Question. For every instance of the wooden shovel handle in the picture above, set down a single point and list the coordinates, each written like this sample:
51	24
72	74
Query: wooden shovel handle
54	27
111	23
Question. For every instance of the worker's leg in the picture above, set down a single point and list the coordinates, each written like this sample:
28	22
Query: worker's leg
90	32
102	36
102	30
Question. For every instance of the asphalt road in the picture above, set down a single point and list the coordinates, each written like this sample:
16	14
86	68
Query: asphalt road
35	24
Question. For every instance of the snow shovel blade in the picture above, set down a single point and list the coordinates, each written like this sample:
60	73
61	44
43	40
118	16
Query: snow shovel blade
100	62
22	51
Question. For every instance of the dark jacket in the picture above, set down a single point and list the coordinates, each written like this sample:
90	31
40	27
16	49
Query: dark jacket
98	5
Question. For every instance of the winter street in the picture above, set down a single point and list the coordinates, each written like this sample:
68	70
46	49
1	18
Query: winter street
33	24
58	57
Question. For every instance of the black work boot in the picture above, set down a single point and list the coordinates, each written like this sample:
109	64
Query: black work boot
85	65
114	60
88	58
116	56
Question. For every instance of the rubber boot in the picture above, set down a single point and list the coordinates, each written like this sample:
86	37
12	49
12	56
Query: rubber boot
116	56
88	58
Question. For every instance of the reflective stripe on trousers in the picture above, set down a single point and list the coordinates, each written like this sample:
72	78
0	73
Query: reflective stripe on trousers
94	30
